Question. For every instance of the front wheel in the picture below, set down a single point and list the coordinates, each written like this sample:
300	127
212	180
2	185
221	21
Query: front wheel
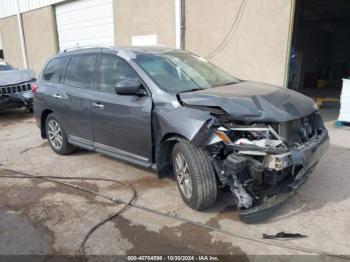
195	176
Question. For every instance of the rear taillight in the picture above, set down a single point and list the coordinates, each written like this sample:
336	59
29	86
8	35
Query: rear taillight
34	87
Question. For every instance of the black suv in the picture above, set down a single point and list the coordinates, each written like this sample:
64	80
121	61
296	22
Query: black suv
175	112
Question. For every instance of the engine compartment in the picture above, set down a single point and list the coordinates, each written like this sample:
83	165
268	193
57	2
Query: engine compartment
260	160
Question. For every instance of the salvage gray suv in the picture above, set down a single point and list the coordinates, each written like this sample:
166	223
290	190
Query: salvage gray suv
175	112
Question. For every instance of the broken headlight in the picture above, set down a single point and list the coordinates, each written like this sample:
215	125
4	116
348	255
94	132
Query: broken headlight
250	136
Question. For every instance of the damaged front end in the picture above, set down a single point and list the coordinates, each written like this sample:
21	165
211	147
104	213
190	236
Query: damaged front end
263	164
16	89
16	96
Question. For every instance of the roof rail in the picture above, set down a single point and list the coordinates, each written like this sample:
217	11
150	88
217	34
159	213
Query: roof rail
86	47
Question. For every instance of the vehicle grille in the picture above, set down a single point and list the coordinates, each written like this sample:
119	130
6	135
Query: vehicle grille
14	89
296	131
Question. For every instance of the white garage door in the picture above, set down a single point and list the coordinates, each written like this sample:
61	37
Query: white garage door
85	23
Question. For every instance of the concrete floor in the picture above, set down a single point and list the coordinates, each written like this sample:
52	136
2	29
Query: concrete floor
39	217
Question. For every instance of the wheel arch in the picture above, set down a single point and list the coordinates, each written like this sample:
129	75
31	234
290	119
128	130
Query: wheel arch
165	149
43	118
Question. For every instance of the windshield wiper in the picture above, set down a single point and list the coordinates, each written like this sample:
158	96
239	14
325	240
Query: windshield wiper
191	90
227	84
231	83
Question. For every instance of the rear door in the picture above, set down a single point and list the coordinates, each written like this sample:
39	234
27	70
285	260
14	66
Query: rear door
78	83
50	85
121	123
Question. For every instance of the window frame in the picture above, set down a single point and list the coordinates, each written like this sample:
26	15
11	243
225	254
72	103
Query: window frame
98	73
93	83
61	74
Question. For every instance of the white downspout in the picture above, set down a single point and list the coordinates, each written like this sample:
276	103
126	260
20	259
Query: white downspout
178	23
289	44
21	35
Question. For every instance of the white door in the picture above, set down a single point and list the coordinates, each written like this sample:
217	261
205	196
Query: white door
85	23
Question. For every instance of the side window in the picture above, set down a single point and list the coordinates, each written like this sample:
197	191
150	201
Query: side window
112	70
54	69
80	70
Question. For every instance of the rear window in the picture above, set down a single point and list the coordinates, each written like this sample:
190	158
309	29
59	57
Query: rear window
54	69
80	70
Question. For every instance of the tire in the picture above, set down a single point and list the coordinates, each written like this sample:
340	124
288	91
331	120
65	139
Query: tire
201	174
62	148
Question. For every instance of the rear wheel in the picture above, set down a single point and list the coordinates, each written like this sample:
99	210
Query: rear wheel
56	136
195	176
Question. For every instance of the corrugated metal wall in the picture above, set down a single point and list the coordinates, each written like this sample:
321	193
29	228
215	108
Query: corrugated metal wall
9	7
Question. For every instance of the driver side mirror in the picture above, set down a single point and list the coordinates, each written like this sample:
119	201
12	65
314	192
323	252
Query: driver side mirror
129	86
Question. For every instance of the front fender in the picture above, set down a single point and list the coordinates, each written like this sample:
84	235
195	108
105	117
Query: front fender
171	125
184	122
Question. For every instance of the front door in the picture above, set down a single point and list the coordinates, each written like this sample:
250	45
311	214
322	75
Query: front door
121	123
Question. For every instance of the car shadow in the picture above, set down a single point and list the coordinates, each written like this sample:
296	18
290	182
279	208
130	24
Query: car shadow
329	183
9	117
81	152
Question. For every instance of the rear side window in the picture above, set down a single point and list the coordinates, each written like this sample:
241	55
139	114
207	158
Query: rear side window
80	70
54	69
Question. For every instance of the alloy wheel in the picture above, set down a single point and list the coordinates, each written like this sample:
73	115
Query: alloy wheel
55	134
183	176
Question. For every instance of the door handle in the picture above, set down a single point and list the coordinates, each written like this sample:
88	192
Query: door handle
57	96
98	105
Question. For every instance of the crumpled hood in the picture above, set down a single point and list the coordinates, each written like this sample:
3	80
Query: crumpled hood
13	77
251	101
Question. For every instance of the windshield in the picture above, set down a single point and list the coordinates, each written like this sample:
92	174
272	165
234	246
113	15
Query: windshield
5	67
181	72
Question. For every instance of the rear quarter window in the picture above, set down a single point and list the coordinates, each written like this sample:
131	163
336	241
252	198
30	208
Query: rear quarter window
54	69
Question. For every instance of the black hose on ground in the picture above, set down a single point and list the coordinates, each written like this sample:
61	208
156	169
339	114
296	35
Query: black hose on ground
54	179
130	203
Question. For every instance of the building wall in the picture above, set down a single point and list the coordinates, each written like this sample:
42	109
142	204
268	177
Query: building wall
257	46
144	17
255	49
11	41
9	7
40	36
0	42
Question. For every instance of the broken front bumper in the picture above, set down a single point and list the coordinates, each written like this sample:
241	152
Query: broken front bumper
24	99
308	156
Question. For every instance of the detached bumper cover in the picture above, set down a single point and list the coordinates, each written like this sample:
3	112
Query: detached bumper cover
308	157
16	100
